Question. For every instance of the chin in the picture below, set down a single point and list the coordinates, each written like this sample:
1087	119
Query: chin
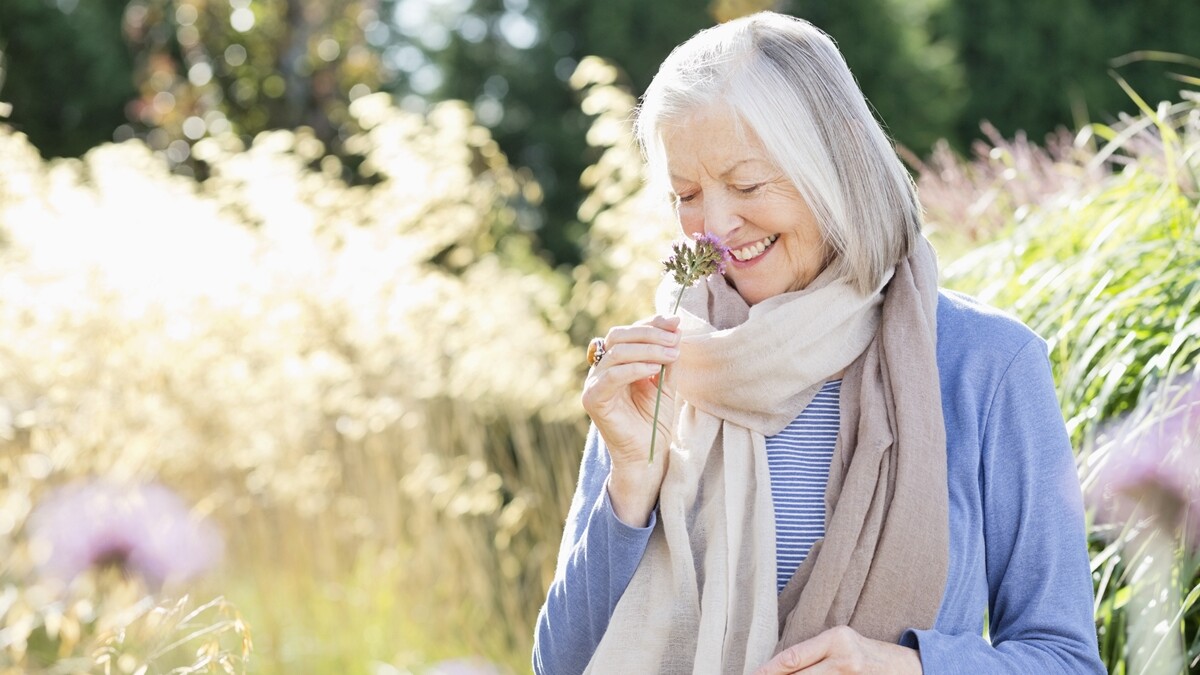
753	296
760	285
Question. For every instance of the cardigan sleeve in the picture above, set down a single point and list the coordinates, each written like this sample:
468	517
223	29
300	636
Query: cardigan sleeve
596	561
1039	581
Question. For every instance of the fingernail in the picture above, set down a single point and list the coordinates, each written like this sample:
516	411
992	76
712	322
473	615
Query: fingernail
672	352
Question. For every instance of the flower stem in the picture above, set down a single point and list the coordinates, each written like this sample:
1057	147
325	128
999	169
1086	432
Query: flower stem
662	375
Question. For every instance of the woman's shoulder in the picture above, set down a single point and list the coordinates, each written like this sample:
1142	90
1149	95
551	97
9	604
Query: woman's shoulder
978	341
992	367
965	322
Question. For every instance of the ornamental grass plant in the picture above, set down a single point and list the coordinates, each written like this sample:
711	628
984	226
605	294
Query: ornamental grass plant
1110	276
367	387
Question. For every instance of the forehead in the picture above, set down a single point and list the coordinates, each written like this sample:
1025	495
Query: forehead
712	141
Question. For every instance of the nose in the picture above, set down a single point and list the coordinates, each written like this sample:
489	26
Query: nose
720	217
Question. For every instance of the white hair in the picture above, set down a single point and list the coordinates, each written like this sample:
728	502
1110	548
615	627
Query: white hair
788	82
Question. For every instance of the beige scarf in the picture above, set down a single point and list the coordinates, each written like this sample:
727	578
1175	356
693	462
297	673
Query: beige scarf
703	599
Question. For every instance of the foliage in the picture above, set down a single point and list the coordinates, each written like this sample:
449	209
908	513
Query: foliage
369	386
910	76
116	615
1144	488
67	73
210	67
1076	271
629	223
1108	276
1035	66
175	71
971	202
105	624
512	61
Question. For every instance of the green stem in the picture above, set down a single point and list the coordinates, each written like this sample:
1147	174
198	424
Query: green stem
662	375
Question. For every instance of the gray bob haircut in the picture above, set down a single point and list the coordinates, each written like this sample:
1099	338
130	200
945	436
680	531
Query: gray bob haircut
788	82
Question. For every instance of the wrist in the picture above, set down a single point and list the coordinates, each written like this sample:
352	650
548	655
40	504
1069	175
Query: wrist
633	498
911	659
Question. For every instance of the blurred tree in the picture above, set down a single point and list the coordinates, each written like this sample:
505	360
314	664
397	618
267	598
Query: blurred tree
910	76
511	59
66	71
173	71
1034	65
211	66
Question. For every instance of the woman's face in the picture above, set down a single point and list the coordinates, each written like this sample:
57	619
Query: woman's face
726	184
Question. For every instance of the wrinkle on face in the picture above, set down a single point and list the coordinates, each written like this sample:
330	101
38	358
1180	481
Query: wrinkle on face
726	183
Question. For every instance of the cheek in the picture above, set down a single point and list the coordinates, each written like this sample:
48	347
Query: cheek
690	221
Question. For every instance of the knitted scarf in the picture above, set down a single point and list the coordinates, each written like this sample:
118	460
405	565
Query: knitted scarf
704	599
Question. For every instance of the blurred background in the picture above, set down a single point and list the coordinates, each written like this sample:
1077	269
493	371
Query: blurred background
294	296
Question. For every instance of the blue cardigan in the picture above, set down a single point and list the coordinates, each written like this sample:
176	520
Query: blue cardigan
1017	544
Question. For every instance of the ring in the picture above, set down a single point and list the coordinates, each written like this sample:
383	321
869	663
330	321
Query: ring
595	351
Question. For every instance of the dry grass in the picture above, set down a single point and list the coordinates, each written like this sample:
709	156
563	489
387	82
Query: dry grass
368	388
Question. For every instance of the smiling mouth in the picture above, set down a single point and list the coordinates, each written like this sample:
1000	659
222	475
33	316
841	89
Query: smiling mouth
747	253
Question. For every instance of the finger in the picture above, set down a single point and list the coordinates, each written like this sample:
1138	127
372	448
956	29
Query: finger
825	667
604	385
660	321
639	352
797	657
665	334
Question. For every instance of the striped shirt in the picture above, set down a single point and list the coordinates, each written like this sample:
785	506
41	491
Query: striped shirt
798	458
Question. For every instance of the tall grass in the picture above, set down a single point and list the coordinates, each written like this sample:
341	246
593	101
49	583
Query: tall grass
369	387
972	202
1110	276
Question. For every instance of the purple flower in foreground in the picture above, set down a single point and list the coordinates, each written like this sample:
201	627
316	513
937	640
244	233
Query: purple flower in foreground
1152	468
687	265
144	530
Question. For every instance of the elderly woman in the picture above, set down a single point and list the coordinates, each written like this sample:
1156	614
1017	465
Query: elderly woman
862	469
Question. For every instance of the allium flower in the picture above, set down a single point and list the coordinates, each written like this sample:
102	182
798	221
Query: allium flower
1152	468
144	530
687	265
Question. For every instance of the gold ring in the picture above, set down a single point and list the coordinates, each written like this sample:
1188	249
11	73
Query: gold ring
595	351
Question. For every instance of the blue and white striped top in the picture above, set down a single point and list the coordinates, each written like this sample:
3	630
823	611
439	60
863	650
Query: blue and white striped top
798	458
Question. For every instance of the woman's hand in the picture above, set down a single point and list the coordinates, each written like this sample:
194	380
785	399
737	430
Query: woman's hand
619	397
843	650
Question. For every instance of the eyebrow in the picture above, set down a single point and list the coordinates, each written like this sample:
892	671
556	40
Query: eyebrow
730	170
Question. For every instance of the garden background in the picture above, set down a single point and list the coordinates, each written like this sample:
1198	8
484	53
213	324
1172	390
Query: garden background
314	278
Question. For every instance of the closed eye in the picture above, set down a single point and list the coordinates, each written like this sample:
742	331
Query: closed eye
748	190
683	199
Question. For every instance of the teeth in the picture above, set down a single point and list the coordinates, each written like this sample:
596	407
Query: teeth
754	250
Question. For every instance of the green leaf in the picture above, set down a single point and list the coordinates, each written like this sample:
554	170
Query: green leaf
1191	599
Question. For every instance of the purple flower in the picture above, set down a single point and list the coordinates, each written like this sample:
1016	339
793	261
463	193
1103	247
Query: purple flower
144	530
688	264
710	246
1151	466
